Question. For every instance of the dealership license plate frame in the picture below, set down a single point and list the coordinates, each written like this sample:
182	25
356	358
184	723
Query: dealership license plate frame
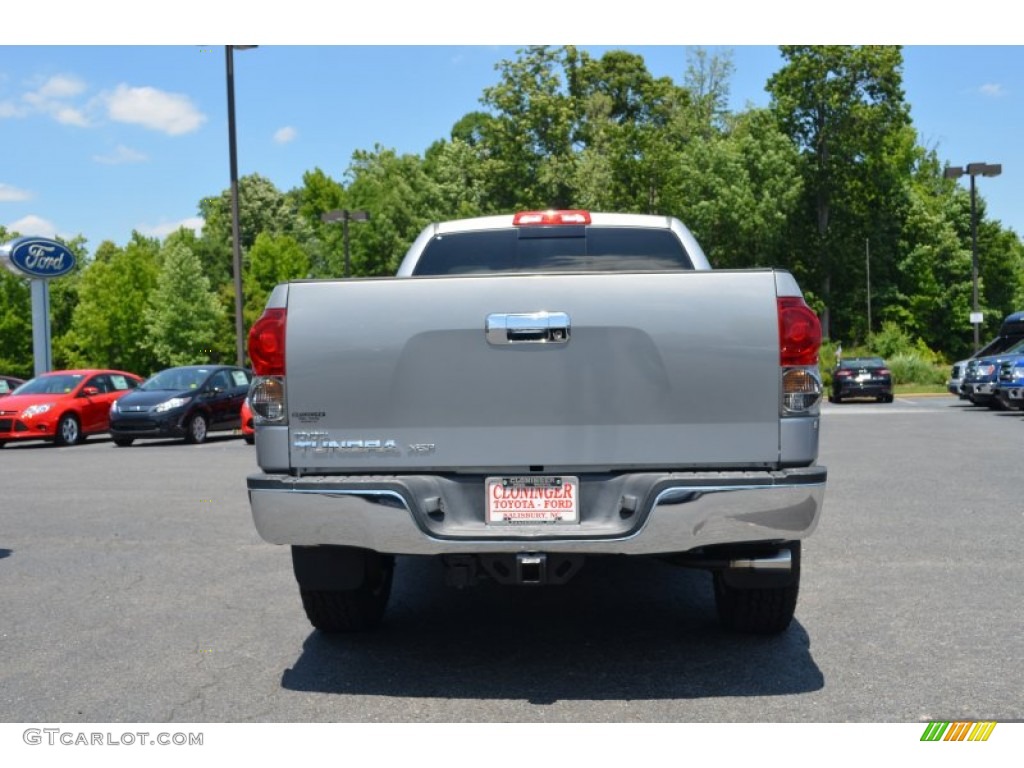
565	488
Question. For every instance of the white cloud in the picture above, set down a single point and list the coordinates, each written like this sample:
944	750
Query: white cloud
70	116
120	156
33	225
285	135
10	109
54	91
9	194
171	113
992	89
51	98
163	229
61	87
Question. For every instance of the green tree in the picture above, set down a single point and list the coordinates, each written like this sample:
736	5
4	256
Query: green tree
273	259
183	316
15	325
707	81
530	139
931	295
262	207
107	328
224	347
457	169
738	191
15	320
319	194
844	108
401	199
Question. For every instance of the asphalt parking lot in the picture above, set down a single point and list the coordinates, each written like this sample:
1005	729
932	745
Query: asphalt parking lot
135	589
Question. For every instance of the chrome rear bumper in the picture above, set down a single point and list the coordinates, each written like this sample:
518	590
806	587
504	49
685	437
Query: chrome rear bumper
631	514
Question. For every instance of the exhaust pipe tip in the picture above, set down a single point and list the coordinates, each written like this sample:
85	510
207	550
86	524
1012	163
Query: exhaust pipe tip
780	562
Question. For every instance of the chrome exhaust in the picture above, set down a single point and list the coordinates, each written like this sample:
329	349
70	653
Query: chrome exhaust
782	561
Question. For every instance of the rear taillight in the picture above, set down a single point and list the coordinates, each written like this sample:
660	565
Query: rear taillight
266	350
799	342
266	343
884	372
799	332
550	218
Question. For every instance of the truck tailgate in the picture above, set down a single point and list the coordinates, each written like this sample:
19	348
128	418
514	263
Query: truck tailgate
674	370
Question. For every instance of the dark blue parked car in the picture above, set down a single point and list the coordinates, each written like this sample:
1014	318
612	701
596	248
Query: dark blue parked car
190	402
861	377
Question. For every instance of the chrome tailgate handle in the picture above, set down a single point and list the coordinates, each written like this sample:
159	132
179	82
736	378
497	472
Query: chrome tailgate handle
527	328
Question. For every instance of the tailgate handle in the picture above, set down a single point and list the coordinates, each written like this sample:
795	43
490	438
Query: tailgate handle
527	328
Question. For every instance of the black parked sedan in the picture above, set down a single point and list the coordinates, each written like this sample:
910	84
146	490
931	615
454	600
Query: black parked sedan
190	402
861	377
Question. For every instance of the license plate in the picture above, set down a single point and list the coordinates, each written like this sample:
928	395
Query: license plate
530	499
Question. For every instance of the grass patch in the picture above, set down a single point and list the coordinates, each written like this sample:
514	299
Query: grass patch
920	389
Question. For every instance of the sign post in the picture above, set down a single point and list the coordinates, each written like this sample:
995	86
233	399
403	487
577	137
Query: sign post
41	260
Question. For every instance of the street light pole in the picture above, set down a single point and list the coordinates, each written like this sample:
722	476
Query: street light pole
345	216
867	269
236	246
972	170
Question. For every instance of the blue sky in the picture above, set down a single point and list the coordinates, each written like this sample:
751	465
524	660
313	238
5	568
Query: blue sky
102	139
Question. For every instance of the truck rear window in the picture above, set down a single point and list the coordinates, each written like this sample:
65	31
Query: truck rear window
553	249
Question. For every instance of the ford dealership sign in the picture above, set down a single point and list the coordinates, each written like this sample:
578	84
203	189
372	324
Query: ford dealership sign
37	257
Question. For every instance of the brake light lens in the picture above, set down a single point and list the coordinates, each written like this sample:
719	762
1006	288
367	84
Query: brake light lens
799	332
884	372
550	218
266	343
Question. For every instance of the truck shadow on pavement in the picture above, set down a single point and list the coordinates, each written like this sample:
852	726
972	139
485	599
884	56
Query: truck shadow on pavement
620	630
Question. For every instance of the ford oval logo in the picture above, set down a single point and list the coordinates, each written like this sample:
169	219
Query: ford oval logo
39	257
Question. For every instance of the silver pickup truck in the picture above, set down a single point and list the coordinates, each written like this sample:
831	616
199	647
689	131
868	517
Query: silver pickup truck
530	391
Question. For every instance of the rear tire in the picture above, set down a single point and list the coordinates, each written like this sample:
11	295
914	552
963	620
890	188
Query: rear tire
250	439
758	610
123	442
352	610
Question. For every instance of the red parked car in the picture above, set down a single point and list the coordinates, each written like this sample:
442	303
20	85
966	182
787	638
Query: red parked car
248	432
8	384
63	406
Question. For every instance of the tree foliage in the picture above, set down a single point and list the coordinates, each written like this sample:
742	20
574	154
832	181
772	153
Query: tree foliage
273	259
107	327
843	108
183	316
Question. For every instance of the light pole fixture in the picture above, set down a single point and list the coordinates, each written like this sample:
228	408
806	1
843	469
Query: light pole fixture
345	216
972	170
236	261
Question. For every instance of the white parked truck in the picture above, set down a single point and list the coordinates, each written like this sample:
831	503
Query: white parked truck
532	390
